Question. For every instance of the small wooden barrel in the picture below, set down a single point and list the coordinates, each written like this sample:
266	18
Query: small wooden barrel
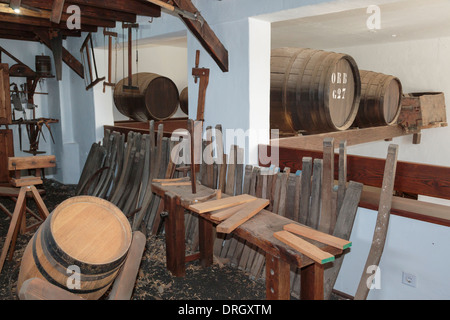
381	98
156	97
313	90
43	65
184	101
83	233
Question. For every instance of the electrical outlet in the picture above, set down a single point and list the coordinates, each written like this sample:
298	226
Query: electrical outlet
409	279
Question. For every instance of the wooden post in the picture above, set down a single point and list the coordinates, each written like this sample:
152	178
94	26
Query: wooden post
327	218
206	242
175	235
312	282
277	278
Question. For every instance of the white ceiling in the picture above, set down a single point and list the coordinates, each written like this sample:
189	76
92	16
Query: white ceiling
400	21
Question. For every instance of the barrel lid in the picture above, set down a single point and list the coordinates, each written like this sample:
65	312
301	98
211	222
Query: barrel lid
91	230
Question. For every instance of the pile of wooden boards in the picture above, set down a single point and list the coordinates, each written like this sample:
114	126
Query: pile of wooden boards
308	196
121	170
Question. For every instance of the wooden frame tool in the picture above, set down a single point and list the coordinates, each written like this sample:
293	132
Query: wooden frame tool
26	184
87	53
110	35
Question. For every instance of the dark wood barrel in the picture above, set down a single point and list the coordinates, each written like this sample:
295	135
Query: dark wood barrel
87	232
184	101
155	99
381	97
43	65
313	90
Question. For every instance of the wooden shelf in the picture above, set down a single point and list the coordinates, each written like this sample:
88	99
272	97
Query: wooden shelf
352	136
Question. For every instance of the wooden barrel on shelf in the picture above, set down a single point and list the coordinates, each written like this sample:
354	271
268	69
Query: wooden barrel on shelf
43	65
381	97
184	101
86	235
155	97
313	90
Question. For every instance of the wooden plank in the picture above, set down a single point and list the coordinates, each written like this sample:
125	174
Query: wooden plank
123	286
353	137
6	151
327	217
247	179
231	174
318	236
5	97
36	162
283	192
381	227
415	178
304	247
242	216
221	203
239	170
420	210
343	229
316	193
342	179
305	189
224	214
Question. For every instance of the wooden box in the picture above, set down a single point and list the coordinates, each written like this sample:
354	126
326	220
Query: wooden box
422	110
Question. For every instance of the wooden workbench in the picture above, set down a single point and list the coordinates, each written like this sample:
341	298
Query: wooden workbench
258	231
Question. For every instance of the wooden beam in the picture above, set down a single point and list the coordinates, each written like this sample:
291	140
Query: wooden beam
18	35
86	11
204	34
67	57
38	22
57	10
352	136
48	15
130	6
30	30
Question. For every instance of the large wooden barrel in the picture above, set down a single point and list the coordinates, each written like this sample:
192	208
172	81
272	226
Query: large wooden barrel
156	97
381	97
313	90
184	100
83	232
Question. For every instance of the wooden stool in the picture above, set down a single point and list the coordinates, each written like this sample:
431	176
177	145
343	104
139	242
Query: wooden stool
26	184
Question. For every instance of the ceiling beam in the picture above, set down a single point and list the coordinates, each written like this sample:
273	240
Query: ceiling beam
131	6
86	11
205	35
38	22
18	35
57	10
20	27
45	14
